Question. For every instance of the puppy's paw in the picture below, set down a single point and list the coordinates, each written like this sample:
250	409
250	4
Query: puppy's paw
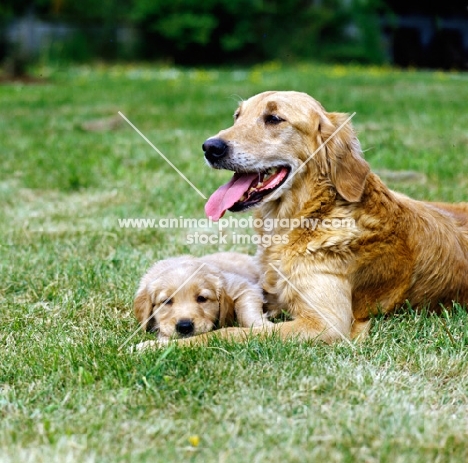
262	322
163	341
145	346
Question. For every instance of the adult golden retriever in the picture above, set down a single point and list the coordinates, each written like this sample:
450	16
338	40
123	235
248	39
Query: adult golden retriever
294	160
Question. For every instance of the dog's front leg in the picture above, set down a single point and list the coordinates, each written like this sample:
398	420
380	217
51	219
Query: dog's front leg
249	309
320	305
248	302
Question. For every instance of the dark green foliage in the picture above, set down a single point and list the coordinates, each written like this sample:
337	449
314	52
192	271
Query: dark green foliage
215	31
222	30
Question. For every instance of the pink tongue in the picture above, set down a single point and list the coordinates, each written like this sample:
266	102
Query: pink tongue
227	195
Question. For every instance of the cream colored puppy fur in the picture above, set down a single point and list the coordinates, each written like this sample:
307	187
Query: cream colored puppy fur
187	296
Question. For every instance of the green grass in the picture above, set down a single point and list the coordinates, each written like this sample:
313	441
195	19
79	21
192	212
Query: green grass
68	274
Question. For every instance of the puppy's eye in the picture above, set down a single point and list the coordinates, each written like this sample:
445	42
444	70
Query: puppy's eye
236	115
201	299
168	302
273	119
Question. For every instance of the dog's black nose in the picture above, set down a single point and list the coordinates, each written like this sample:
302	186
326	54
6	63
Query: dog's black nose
215	148
185	326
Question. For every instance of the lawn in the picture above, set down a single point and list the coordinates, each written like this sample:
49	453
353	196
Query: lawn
68	273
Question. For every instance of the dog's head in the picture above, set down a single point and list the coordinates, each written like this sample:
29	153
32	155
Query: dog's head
182	297
280	140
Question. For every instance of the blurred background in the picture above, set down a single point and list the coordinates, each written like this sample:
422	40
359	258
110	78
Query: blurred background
407	33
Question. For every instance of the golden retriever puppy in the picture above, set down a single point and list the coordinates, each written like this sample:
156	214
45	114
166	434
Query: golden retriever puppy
186	296
292	161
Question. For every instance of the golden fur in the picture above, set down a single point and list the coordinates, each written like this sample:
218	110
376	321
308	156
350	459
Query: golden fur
399	250
208	292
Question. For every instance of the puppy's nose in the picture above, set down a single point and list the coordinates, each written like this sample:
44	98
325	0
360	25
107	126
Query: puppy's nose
185	326
215	149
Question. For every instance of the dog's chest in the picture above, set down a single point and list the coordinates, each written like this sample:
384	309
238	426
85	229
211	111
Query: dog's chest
298	248
288	270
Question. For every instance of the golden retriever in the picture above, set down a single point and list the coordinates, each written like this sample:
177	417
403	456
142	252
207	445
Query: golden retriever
186	296
294	160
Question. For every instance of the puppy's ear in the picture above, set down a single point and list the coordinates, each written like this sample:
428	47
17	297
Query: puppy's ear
347	169
142	308
226	309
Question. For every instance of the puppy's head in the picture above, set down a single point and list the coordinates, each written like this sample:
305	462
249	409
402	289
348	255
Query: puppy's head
281	141
182	297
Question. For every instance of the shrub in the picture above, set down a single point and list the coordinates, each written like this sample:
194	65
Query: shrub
223	30
217	31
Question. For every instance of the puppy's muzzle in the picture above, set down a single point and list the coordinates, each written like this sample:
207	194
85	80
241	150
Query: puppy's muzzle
215	149
185	327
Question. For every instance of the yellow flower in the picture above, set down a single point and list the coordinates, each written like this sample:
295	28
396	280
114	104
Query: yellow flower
194	440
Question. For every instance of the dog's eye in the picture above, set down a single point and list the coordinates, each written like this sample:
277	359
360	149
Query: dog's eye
201	299
273	119
168	302
236	115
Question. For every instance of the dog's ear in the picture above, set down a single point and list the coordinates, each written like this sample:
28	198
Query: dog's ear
226	309
142	307
347	168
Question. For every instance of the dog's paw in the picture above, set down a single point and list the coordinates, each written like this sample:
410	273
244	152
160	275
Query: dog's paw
145	346
262	322
163	341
